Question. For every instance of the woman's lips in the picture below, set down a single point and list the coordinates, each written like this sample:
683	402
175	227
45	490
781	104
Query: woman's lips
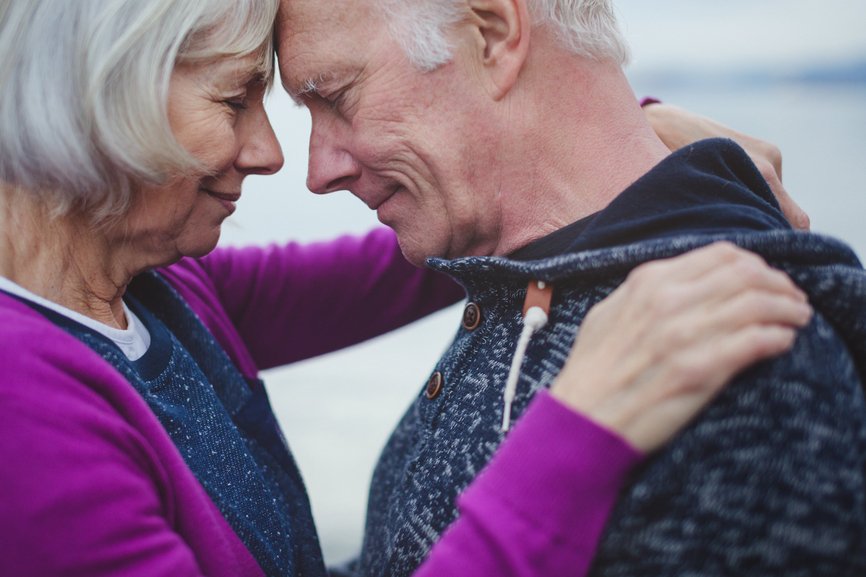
227	199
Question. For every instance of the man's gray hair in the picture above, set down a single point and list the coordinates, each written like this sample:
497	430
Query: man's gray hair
83	116
586	27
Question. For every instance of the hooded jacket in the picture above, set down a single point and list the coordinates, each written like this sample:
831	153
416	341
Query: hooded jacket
769	480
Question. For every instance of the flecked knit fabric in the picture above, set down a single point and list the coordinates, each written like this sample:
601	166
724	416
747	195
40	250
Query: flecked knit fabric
223	427
768	481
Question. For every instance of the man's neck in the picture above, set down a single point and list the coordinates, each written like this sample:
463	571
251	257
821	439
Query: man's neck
584	140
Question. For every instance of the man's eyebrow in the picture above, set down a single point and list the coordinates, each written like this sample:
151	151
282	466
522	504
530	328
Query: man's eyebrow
307	87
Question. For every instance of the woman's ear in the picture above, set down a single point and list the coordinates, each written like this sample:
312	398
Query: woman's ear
504	30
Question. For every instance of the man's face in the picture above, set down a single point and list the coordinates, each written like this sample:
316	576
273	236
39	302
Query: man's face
413	146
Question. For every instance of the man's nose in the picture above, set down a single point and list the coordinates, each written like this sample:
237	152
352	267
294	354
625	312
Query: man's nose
331	166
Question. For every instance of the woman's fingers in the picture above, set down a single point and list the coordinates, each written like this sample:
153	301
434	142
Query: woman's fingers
736	277
690	265
695	326
675	395
720	270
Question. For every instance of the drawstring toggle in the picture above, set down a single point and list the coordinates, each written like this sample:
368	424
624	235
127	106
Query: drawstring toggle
536	307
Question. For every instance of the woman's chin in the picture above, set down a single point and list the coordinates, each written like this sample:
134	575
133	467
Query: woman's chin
199	246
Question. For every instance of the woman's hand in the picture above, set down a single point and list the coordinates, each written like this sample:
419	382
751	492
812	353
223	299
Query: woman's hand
656	351
677	128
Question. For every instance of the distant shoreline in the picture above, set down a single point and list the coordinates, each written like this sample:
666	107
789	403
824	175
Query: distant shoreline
852	73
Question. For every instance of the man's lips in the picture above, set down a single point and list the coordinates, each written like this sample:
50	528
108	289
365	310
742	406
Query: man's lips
380	202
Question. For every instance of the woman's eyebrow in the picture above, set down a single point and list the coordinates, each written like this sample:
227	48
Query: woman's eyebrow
237	75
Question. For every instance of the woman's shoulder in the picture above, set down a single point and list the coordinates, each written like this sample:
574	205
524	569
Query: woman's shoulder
28	339
22	328
87	459
43	365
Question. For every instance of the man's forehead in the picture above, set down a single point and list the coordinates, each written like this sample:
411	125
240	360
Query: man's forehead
318	17
307	25
300	22
308	66
318	41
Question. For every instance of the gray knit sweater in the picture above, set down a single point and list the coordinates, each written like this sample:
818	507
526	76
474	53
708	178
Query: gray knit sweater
768	481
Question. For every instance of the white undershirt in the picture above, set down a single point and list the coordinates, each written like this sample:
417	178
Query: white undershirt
134	341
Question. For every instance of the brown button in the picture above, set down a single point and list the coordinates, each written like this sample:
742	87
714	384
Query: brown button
434	385
471	317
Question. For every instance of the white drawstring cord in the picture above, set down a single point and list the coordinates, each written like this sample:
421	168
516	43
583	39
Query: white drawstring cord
533	321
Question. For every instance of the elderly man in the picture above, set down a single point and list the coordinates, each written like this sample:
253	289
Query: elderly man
505	131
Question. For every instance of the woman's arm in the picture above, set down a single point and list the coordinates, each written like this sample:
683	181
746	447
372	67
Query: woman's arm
540	506
91	483
295	301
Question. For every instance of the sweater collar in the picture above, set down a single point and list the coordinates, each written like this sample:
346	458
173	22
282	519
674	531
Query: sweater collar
709	187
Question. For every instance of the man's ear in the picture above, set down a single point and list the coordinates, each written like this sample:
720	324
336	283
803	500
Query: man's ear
504	30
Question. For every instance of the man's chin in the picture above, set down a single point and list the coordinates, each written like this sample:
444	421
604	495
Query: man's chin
415	252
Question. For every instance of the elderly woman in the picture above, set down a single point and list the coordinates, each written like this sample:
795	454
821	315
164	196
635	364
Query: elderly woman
136	437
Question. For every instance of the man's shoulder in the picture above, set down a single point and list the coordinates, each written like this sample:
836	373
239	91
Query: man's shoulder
772	473
786	247
816	386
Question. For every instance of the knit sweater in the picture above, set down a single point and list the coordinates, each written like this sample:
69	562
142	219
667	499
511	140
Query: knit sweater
221	423
768	481
93	484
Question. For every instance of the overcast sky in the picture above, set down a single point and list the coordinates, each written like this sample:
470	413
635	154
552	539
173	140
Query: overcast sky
738	33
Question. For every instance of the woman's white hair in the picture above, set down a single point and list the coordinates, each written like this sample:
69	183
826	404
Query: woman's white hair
586	27
83	117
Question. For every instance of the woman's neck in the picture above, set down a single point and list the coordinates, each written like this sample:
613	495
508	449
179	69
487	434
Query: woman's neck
63	259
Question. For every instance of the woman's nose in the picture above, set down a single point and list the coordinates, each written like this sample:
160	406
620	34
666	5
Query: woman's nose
261	152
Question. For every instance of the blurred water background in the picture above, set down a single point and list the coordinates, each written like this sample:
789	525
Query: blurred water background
789	71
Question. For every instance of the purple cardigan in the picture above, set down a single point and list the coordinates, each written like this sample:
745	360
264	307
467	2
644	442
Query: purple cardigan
91	484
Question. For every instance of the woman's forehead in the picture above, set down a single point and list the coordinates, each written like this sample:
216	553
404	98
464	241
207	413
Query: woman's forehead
230	70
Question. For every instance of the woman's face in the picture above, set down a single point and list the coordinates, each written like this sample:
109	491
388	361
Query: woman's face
216	111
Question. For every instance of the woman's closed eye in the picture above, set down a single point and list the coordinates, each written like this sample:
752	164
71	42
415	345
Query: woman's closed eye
237	103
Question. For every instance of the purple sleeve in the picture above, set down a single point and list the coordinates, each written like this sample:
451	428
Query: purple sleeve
647	100
540	506
91	484
78	495
296	301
